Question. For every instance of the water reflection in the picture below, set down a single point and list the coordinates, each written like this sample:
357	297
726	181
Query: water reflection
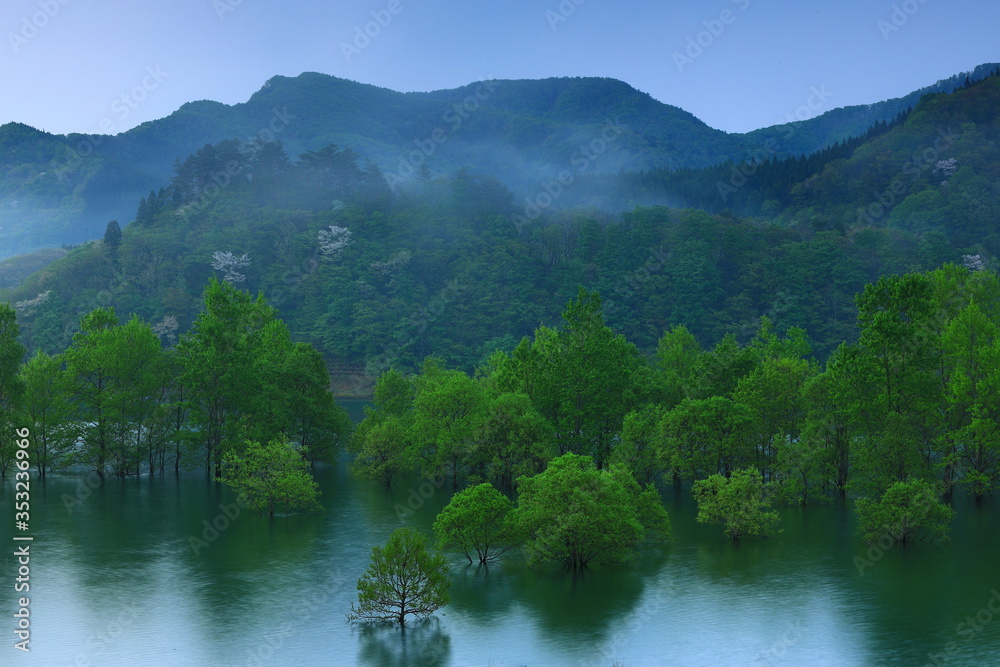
420	644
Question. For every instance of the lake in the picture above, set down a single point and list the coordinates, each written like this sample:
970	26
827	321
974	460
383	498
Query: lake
161	571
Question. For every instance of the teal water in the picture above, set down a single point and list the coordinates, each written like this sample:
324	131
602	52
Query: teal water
116	580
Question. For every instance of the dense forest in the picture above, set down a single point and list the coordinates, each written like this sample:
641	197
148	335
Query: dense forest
834	343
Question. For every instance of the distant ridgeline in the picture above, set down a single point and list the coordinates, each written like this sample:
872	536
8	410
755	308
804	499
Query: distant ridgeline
58	190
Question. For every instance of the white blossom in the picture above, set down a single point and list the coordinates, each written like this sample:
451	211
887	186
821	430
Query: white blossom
400	259
973	262
165	329
27	307
946	167
333	240
228	263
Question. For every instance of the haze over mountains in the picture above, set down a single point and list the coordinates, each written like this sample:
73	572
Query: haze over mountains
58	189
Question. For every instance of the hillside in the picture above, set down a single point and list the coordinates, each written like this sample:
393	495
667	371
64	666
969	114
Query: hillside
64	189
444	266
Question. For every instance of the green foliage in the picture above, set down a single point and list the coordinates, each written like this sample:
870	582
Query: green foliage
11	383
403	579
113	379
382	450
907	511
271	477
638	450
574	514
478	520
515	439
702	437
319	427
738	503
382	442
448	412
48	412
225	380
583	380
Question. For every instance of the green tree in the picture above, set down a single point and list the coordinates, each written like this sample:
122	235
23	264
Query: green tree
773	393
219	371
48	412
574	514
894	371
316	423
113	373
382	441
270	477
113	243
738	503
382	450
702	437
11	383
403	579
516	440
677	356
639	449
448	412
478	520
972	352
583	379
908	510
829	424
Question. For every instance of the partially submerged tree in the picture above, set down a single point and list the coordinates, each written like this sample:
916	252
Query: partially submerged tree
738	503
478	520
11	383
575	514
271	477
403	579
47	411
906	511
381	441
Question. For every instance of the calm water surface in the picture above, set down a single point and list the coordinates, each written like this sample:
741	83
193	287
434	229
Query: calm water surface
116	580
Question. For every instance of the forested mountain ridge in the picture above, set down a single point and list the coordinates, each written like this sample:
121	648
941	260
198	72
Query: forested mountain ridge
450	266
63	189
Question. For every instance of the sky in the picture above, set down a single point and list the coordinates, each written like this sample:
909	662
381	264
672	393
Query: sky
108	65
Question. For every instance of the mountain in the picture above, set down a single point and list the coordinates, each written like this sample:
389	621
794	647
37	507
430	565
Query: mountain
64	189
445	266
805	137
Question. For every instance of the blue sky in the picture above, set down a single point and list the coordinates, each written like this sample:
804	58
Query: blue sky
84	65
